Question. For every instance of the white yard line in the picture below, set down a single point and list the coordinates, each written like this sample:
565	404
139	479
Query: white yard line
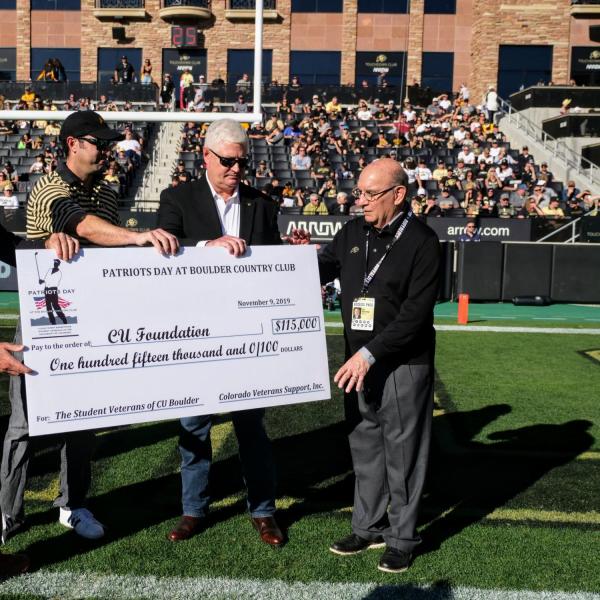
66	585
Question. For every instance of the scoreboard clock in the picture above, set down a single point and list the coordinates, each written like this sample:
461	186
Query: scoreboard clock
184	36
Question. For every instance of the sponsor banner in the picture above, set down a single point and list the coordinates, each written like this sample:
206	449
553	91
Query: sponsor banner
490	230
126	335
371	65
585	59
321	228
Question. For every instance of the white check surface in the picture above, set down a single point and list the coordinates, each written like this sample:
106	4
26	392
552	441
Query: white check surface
131	336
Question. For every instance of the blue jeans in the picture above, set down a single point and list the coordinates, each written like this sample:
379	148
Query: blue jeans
255	455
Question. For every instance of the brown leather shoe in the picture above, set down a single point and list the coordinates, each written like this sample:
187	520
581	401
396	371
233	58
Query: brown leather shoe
13	564
268	530
187	528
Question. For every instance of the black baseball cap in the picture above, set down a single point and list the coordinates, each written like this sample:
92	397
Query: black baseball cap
88	122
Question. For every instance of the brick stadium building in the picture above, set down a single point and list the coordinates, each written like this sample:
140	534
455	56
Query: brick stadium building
441	43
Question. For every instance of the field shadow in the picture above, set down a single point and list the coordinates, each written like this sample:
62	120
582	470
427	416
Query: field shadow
438	591
130	509
468	479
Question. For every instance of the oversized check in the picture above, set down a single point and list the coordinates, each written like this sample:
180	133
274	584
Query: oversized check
125	335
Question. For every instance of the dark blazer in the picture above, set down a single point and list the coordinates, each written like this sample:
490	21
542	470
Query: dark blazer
8	243
188	211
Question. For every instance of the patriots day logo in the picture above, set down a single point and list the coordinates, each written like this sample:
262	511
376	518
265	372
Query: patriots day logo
51	302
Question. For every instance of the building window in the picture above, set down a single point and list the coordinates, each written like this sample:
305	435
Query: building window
8	64
242	61
55	4
437	71
333	6
373	66
383	6
322	68
522	66
109	58
70	59
440	7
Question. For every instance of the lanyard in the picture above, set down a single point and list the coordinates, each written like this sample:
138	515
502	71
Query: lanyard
368	278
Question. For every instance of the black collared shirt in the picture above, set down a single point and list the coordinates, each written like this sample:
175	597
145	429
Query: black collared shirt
60	198
405	287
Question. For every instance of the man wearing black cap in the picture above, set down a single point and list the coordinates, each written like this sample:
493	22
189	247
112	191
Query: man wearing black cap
76	200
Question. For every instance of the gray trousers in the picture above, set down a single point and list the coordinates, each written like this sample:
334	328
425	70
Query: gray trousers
389	442
75	456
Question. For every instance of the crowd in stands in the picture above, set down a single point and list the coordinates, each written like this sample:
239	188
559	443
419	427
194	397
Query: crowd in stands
309	153
310	150
30	149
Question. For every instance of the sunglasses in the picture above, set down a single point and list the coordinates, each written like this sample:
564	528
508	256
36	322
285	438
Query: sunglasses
229	161
100	144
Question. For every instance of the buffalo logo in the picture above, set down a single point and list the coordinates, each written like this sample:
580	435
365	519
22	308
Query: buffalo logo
381	58
595	55
131	222
354	250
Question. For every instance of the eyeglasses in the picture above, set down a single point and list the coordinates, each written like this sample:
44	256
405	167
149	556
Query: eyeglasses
370	196
100	144
229	161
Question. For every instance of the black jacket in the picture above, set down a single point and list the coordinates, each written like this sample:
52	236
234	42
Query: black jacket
188	211
9	242
405	288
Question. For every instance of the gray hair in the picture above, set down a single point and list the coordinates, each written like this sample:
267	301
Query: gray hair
224	131
313	195
342	195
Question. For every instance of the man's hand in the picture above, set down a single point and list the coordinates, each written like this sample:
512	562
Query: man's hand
233	245
299	237
65	246
164	242
8	363
352	373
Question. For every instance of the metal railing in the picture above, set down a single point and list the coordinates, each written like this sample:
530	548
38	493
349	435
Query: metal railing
119	3
558	148
574	233
250	4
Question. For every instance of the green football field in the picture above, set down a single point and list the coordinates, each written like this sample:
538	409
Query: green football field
512	508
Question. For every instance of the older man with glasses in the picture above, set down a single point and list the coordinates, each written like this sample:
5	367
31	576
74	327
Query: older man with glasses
388	265
219	210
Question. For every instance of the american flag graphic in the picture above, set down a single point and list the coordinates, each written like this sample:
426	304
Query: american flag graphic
40	302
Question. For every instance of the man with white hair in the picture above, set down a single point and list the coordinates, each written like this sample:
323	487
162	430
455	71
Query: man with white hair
219	210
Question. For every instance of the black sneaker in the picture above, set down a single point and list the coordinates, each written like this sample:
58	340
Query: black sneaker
353	544
394	561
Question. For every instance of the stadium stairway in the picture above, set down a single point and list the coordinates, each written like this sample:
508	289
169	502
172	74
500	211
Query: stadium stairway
519	136
157	175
